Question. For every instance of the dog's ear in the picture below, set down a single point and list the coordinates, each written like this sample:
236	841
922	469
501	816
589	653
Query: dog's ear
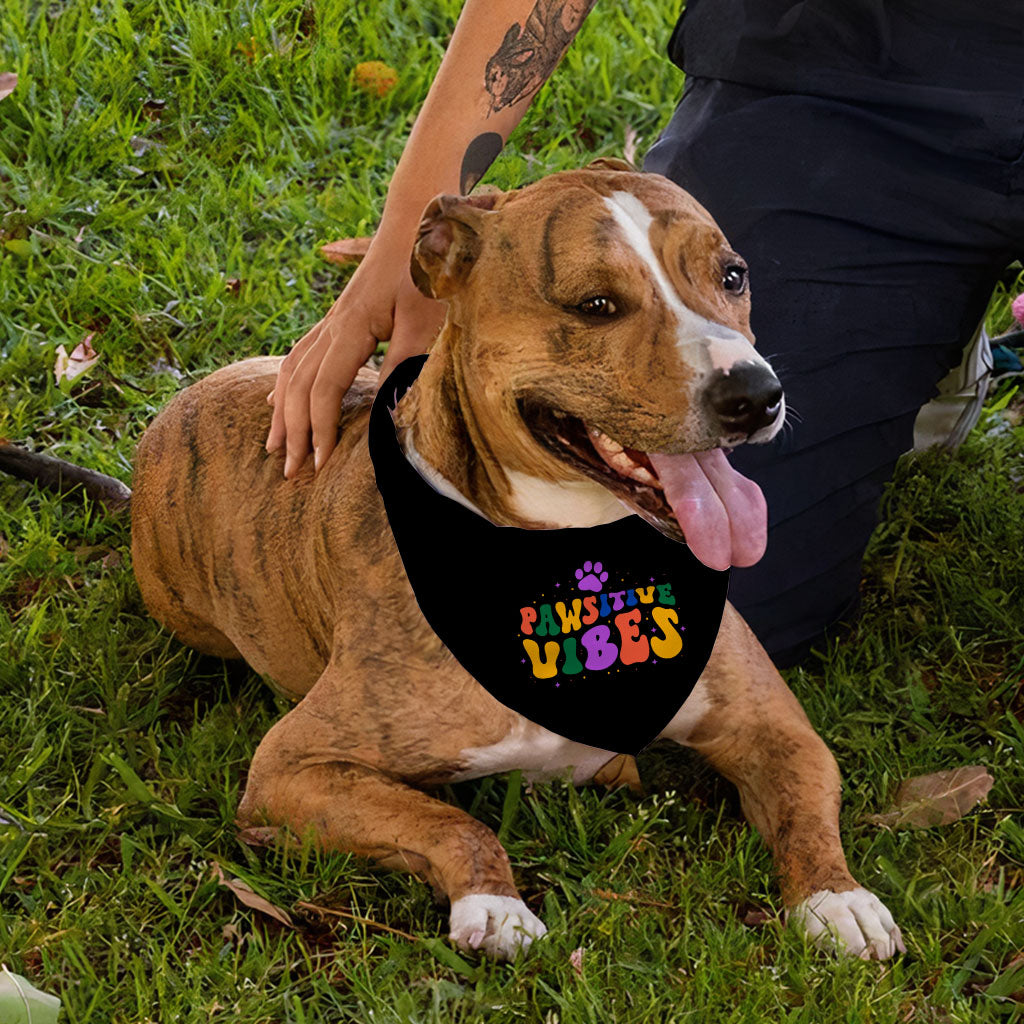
449	241
610	163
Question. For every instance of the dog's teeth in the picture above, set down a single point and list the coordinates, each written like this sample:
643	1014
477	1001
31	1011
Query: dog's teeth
603	443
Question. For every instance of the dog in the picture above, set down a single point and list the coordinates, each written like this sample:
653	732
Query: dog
598	327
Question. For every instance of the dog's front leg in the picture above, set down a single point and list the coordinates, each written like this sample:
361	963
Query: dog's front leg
300	778
748	724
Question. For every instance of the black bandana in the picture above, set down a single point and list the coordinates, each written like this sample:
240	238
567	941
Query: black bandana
596	633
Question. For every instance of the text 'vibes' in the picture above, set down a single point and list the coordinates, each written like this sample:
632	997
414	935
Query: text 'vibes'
641	624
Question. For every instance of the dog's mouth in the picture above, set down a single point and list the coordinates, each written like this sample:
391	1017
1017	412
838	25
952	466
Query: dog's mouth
697	498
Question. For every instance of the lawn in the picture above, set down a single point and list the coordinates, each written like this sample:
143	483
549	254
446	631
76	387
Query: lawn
168	169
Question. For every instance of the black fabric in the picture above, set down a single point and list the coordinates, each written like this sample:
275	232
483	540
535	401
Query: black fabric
874	235
960	57
598	634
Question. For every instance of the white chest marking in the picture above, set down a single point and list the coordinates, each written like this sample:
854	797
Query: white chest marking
703	344
565	503
541	754
538	753
440	483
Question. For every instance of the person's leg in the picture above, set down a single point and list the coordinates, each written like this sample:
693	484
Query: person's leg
872	255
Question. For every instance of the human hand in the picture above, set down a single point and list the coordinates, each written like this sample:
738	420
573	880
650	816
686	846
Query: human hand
380	303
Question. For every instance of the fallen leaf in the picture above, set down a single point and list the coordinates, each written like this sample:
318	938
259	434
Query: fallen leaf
244	894
22	1003
756	918
346	250
8	81
83	357
629	150
375	76
576	961
112	560
259	835
936	799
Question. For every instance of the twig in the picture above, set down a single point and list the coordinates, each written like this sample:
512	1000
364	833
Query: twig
62	477
607	894
332	912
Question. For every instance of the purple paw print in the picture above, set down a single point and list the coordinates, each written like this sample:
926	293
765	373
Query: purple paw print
590	576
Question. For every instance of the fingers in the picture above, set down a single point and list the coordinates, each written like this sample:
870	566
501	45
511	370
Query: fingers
314	376
334	377
276	435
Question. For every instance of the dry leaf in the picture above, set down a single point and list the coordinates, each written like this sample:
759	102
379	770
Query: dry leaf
629	150
112	560
755	917
68	367
8	80
346	250
244	894
375	76
576	961
936	799
259	835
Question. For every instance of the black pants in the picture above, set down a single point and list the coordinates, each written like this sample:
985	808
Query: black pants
874	236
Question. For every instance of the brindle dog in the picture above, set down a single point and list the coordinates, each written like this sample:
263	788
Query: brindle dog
527	381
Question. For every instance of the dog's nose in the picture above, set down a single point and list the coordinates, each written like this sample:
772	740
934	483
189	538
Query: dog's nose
745	399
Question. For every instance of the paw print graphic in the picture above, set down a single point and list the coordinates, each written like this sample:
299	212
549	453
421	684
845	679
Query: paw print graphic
590	577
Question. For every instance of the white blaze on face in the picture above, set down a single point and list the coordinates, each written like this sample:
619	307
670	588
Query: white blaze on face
703	344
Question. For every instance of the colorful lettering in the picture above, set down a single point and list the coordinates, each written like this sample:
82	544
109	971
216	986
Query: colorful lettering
630	598
672	642
590	603
617	597
665	593
600	651
570	620
572	664
529	617
606	608
646	594
635	648
547	625
542	669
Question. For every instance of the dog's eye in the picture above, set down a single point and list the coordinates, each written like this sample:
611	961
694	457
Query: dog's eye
734	278
597	305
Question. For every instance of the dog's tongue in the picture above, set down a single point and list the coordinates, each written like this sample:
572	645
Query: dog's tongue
722	514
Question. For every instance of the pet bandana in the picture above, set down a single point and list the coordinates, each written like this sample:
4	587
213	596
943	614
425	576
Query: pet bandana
596	633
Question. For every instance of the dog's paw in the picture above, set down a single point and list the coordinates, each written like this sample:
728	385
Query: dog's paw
590	577
501	926
855	922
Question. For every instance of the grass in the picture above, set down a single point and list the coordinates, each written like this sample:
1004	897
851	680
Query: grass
167	169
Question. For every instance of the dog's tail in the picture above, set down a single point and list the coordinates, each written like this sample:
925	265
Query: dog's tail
62	477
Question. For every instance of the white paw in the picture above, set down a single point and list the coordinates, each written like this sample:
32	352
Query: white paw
855	922
499	925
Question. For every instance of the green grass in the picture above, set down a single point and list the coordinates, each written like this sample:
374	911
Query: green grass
155	150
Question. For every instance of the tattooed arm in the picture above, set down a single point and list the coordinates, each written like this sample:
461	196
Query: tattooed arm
500	54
